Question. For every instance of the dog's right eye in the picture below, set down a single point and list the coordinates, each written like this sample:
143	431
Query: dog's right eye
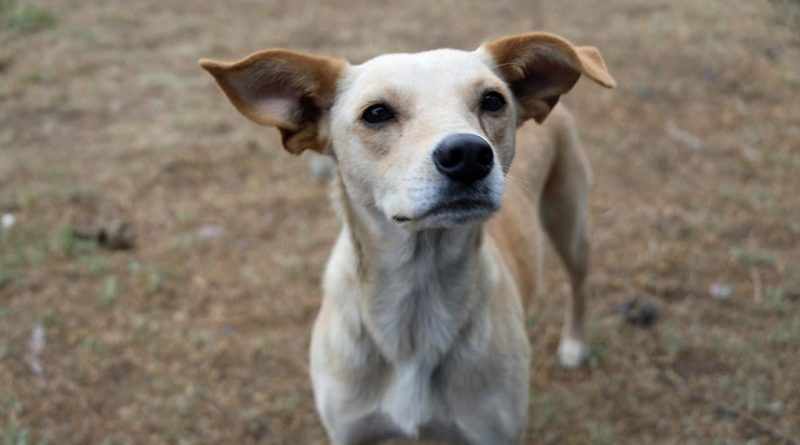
493	102
378	114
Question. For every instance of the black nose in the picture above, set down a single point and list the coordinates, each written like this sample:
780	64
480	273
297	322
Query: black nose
464	157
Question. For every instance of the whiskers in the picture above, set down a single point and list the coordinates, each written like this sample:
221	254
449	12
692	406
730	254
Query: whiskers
522	185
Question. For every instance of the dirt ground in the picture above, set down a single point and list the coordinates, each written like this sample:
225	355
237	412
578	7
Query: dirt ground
199	334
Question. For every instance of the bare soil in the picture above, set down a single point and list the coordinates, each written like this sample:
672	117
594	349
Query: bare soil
200	333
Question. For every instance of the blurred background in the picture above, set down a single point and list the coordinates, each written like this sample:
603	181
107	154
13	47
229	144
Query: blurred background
160	255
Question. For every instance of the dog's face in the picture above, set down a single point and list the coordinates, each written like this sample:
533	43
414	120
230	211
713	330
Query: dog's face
425	137
422	139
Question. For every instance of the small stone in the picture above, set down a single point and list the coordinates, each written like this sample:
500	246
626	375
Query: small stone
116	235
7	221
774	408
712	75
682	136
720	291
113	234
36	345
773	54
210	231
639	311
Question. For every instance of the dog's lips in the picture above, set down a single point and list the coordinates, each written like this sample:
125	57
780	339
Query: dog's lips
458	206
458	210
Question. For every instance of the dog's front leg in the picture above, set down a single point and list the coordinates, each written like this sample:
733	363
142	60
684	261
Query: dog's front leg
487	391
500	421
349	421
346	375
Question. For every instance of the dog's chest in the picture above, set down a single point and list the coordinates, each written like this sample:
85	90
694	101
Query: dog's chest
418	311
418	307
408	399
418	344
413	405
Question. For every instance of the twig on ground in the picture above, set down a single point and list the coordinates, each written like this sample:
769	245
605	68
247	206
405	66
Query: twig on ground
758	291
36	345
680	383
752	420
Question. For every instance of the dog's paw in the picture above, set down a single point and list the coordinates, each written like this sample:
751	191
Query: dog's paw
572	352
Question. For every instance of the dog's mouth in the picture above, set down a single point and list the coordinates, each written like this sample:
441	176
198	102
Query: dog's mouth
454	211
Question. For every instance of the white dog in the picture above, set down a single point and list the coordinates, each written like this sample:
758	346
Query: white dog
421	332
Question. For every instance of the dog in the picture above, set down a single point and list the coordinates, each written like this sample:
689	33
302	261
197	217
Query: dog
421	330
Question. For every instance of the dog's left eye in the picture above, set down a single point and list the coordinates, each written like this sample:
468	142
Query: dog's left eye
378	114
493	101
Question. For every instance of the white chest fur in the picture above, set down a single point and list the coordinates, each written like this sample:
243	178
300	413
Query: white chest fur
408	399
420	296
408	347
420	300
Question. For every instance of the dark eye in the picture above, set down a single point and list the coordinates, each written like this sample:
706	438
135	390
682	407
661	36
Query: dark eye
378	114
493	101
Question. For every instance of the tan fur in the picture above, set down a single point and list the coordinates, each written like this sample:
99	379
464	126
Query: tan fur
421	331
540	67
308	84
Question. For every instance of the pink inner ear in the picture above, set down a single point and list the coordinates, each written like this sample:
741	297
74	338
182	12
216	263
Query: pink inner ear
282	107
271	97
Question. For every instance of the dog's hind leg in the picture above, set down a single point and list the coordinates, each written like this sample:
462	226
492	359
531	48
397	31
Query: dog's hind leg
563	210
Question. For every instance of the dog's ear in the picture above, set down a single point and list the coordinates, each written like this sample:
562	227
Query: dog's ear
284	89
540	67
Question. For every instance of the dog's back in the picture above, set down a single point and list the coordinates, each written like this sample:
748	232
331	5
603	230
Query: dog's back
516	229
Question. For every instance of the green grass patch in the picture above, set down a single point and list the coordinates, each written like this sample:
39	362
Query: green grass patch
25	17
95	346
10	434
48	320
72	245
9	405
157	277
97	265
600	433
753	258
108	292
5	348
20	249
5	279
546	411
14	436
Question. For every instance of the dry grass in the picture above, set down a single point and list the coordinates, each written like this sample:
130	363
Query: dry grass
202	339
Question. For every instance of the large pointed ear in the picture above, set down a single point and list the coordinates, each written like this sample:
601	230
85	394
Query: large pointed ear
540	67
284	89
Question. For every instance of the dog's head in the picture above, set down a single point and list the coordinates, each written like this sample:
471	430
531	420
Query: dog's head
423	139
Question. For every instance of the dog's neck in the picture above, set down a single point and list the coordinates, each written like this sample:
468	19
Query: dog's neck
419	288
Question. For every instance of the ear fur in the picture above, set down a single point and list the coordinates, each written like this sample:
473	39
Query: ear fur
284	89
540	67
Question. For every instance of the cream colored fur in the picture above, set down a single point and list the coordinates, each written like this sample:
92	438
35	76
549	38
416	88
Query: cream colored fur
421	331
